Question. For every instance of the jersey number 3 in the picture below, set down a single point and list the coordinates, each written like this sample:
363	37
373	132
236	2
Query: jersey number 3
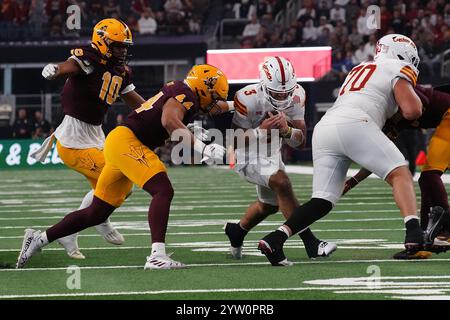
110	87
358	77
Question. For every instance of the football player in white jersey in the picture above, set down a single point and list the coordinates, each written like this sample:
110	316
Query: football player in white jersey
351	131
277	102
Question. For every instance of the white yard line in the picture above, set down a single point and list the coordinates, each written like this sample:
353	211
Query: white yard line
220	232
211	222
232	264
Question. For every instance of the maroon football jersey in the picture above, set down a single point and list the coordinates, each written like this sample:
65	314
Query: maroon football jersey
146	120
87	95
435	103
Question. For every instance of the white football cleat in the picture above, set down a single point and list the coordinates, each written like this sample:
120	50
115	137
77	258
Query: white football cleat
31	245
236	253
325	249
109	233
162	262
70	244
285	263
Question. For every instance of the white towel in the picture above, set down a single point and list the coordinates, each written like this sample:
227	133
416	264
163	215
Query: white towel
41	153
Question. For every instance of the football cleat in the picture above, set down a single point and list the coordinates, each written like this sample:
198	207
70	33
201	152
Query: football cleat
70	244
272	247
435	219
109	233
443	236
31	245
234	233
162	262
412	255
324	249
442	242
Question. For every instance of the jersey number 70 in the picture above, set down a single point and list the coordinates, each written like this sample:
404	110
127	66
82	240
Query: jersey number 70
358	77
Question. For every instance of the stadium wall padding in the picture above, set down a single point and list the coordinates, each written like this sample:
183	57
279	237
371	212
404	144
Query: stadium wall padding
14	154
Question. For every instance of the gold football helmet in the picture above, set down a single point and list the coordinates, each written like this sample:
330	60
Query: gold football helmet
209	84
110	33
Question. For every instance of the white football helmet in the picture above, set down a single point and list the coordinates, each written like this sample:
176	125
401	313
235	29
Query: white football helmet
397	46
278	81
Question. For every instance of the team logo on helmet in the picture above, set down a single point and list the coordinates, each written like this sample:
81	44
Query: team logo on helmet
403	39
211	82
267	72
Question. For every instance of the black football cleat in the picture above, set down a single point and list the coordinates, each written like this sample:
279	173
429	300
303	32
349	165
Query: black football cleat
272	247
435	220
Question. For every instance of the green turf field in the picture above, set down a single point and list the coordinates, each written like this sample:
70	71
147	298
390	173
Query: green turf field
365	224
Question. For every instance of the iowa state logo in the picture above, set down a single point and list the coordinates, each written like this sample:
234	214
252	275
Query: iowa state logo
267	72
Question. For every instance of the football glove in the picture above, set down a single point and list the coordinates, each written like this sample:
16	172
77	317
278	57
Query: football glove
199	132
213	153
50	71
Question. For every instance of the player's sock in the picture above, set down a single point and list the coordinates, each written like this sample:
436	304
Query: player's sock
158	249
79	220
306	214
87	200
236	233
161	190
433	194
414	233
308	237
43	240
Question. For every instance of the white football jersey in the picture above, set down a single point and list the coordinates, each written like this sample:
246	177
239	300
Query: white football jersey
368	91
251	106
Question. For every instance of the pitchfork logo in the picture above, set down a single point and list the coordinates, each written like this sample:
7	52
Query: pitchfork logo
210	82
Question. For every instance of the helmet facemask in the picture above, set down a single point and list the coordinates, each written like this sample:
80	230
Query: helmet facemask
212	108
119	53
280	100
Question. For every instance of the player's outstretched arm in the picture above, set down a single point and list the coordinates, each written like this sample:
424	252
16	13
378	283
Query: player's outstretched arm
132	99
52	70
407	100
172	119
353	181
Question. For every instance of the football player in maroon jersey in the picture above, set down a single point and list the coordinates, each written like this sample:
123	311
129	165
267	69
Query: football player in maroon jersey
130	158
96	76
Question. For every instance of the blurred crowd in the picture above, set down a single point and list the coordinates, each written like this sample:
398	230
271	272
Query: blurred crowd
26	127
46	19
344	25
341	24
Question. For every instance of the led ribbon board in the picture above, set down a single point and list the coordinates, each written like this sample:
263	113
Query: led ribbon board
242	65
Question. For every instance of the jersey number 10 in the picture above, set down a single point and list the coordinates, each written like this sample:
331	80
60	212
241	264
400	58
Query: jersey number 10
110	87
358	77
